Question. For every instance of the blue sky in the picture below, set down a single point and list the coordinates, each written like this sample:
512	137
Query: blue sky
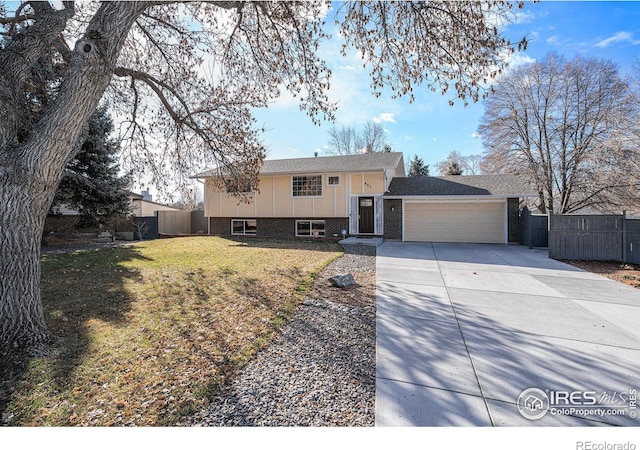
429	127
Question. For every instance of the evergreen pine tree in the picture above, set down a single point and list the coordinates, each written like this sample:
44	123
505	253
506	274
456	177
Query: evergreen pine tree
454	169
91	182
417	167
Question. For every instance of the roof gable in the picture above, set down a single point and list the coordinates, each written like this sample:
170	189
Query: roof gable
343	163
493	185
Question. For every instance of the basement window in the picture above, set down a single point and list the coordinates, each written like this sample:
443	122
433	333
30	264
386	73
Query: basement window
310	228
244	226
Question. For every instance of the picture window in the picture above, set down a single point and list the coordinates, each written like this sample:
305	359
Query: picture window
307	186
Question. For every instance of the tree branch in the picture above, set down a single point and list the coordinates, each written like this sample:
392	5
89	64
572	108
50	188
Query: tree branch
17	59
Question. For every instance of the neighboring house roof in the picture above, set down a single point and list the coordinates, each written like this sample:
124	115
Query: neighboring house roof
149	202
345	163
134	196
494	185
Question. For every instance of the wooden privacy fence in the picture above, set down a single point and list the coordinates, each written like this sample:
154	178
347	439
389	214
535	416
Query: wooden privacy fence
535	229
594	237
174	222
181	222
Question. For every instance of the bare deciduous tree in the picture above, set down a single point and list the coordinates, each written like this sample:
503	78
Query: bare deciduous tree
183	78
459	164
343	140
452	165
346	140
472	164
565	125
373	137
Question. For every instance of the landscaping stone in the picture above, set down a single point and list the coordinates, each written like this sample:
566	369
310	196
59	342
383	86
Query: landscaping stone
319	372
342	280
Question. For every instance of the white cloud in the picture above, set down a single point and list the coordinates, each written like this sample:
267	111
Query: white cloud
620	36
524	17
518	59
409	138
384	117
553	40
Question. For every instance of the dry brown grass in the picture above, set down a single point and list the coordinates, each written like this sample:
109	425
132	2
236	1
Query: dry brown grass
621	272
147	332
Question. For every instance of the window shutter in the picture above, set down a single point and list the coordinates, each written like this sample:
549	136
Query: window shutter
378	225
353	216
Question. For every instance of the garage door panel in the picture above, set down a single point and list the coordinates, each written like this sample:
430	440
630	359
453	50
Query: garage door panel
455	222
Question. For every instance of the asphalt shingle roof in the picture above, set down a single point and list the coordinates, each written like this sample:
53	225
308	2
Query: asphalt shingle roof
344	163
459	185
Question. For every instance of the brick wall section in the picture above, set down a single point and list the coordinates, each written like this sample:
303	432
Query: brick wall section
220	226
279	227
276	227
335	225
513	220
393	219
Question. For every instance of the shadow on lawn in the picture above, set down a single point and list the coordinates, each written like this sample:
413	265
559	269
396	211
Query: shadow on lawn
76	288
321	245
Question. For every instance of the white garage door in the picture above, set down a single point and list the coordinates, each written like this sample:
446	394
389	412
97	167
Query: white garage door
455	222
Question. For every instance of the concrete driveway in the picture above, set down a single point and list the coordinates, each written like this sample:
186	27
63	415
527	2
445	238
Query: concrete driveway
464	329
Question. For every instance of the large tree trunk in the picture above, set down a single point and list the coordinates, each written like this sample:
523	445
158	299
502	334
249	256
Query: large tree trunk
30	172
22	322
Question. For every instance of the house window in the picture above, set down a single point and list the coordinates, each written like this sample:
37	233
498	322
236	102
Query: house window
333	181
306	186
243	226
234	187
313	228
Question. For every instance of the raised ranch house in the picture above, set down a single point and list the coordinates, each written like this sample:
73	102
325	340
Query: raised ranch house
368	195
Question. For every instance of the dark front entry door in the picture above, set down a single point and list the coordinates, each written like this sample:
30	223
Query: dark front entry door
365	211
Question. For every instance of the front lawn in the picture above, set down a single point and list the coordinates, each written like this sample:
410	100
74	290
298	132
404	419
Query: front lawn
148	332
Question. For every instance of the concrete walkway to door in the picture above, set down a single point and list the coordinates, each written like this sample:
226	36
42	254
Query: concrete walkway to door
464	329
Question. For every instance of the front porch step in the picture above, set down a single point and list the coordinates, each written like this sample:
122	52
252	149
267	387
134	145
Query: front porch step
373	241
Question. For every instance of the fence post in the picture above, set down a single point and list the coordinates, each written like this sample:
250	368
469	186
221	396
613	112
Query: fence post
624	236
550	233
529	228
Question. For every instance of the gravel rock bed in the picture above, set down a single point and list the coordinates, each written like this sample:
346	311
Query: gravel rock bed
356	258
320	371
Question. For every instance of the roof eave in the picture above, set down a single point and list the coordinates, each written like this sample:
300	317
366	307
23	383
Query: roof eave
454	197
302	172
